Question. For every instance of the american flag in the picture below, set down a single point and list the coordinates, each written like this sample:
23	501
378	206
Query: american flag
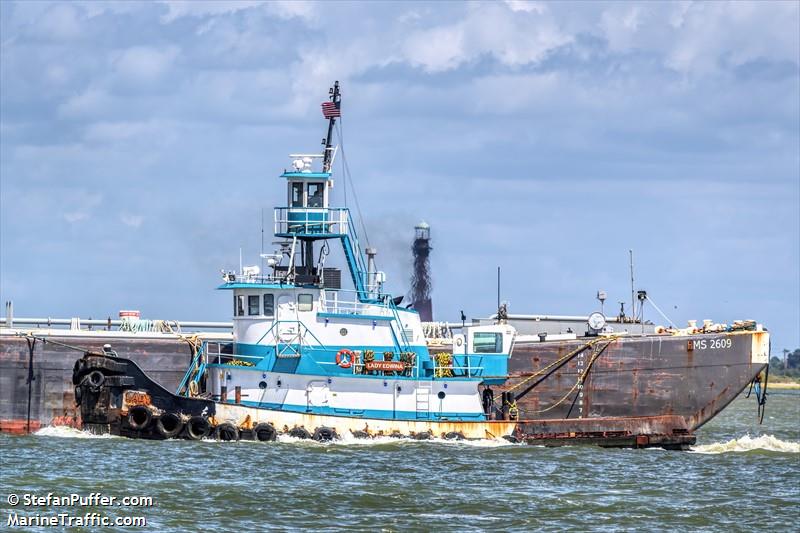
331	110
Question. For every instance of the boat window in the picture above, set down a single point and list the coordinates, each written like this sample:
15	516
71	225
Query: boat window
269	305
315	194
484	342
252	304
305	302
239	311
297	195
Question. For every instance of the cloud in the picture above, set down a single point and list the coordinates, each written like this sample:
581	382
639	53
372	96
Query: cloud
133	221
144	64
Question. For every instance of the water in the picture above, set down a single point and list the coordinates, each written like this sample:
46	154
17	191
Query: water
740	476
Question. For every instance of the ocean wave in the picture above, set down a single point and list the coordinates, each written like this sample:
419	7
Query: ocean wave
70	433
748	444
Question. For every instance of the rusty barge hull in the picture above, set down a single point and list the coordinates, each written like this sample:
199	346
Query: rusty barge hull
39	373
692	377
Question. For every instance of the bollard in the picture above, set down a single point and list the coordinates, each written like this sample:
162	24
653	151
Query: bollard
223	394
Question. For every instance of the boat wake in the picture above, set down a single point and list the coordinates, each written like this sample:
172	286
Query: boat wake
70	433
748	444
349	440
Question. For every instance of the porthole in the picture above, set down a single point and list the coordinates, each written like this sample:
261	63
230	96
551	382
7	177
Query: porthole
441	394
262	385
343	332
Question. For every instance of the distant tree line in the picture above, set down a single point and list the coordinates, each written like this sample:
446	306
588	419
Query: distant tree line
788	365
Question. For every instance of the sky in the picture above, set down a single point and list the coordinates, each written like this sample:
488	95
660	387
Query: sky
141	144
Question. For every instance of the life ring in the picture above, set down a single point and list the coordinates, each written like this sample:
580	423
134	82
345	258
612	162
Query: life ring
344	358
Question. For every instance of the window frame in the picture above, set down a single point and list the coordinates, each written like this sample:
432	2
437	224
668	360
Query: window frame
251	307
496	347
297	186
301	306
321	192
268	296
238	305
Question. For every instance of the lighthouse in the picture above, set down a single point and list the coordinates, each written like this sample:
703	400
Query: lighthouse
421	280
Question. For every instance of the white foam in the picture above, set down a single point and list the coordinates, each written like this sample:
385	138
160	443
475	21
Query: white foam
747	444
70	433
349	440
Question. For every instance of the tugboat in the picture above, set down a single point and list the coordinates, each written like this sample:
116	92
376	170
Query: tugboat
314	360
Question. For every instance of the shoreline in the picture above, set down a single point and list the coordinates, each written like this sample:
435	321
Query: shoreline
788	385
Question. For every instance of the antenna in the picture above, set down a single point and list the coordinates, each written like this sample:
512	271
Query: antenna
633	298
262	239
330	110
498	289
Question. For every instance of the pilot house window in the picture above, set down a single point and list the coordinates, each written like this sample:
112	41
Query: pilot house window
487	342
269	304
238	305
315	192
305	302
252	305
297	195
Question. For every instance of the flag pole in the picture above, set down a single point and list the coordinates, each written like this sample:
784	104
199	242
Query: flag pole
336	99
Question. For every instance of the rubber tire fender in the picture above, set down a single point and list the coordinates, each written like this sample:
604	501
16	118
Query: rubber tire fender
197	427
324	434
453	435
265	432
299	433
78	395
169	425
360	434
139	417
422	435
226	432
94	380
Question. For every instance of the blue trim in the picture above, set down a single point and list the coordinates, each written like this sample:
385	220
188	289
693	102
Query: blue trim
354	316
381	414
239	285
307	175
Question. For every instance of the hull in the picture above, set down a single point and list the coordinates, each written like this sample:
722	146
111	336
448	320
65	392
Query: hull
692	377
48	398
117	397
651	385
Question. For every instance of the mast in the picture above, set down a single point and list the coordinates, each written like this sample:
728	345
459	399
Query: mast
330	112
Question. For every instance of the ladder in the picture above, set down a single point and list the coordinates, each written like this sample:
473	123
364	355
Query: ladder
423	399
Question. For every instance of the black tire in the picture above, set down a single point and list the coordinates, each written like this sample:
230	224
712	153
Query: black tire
454	435
226	432
77	372
359	434
324	434
78	395
265	432
511	438
424	435
197	428
396	435
94	379
299	433
169	425
139	417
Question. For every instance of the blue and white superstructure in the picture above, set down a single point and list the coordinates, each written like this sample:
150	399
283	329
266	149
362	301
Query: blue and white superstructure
305	344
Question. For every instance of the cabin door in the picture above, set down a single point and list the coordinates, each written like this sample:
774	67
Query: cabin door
287	326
